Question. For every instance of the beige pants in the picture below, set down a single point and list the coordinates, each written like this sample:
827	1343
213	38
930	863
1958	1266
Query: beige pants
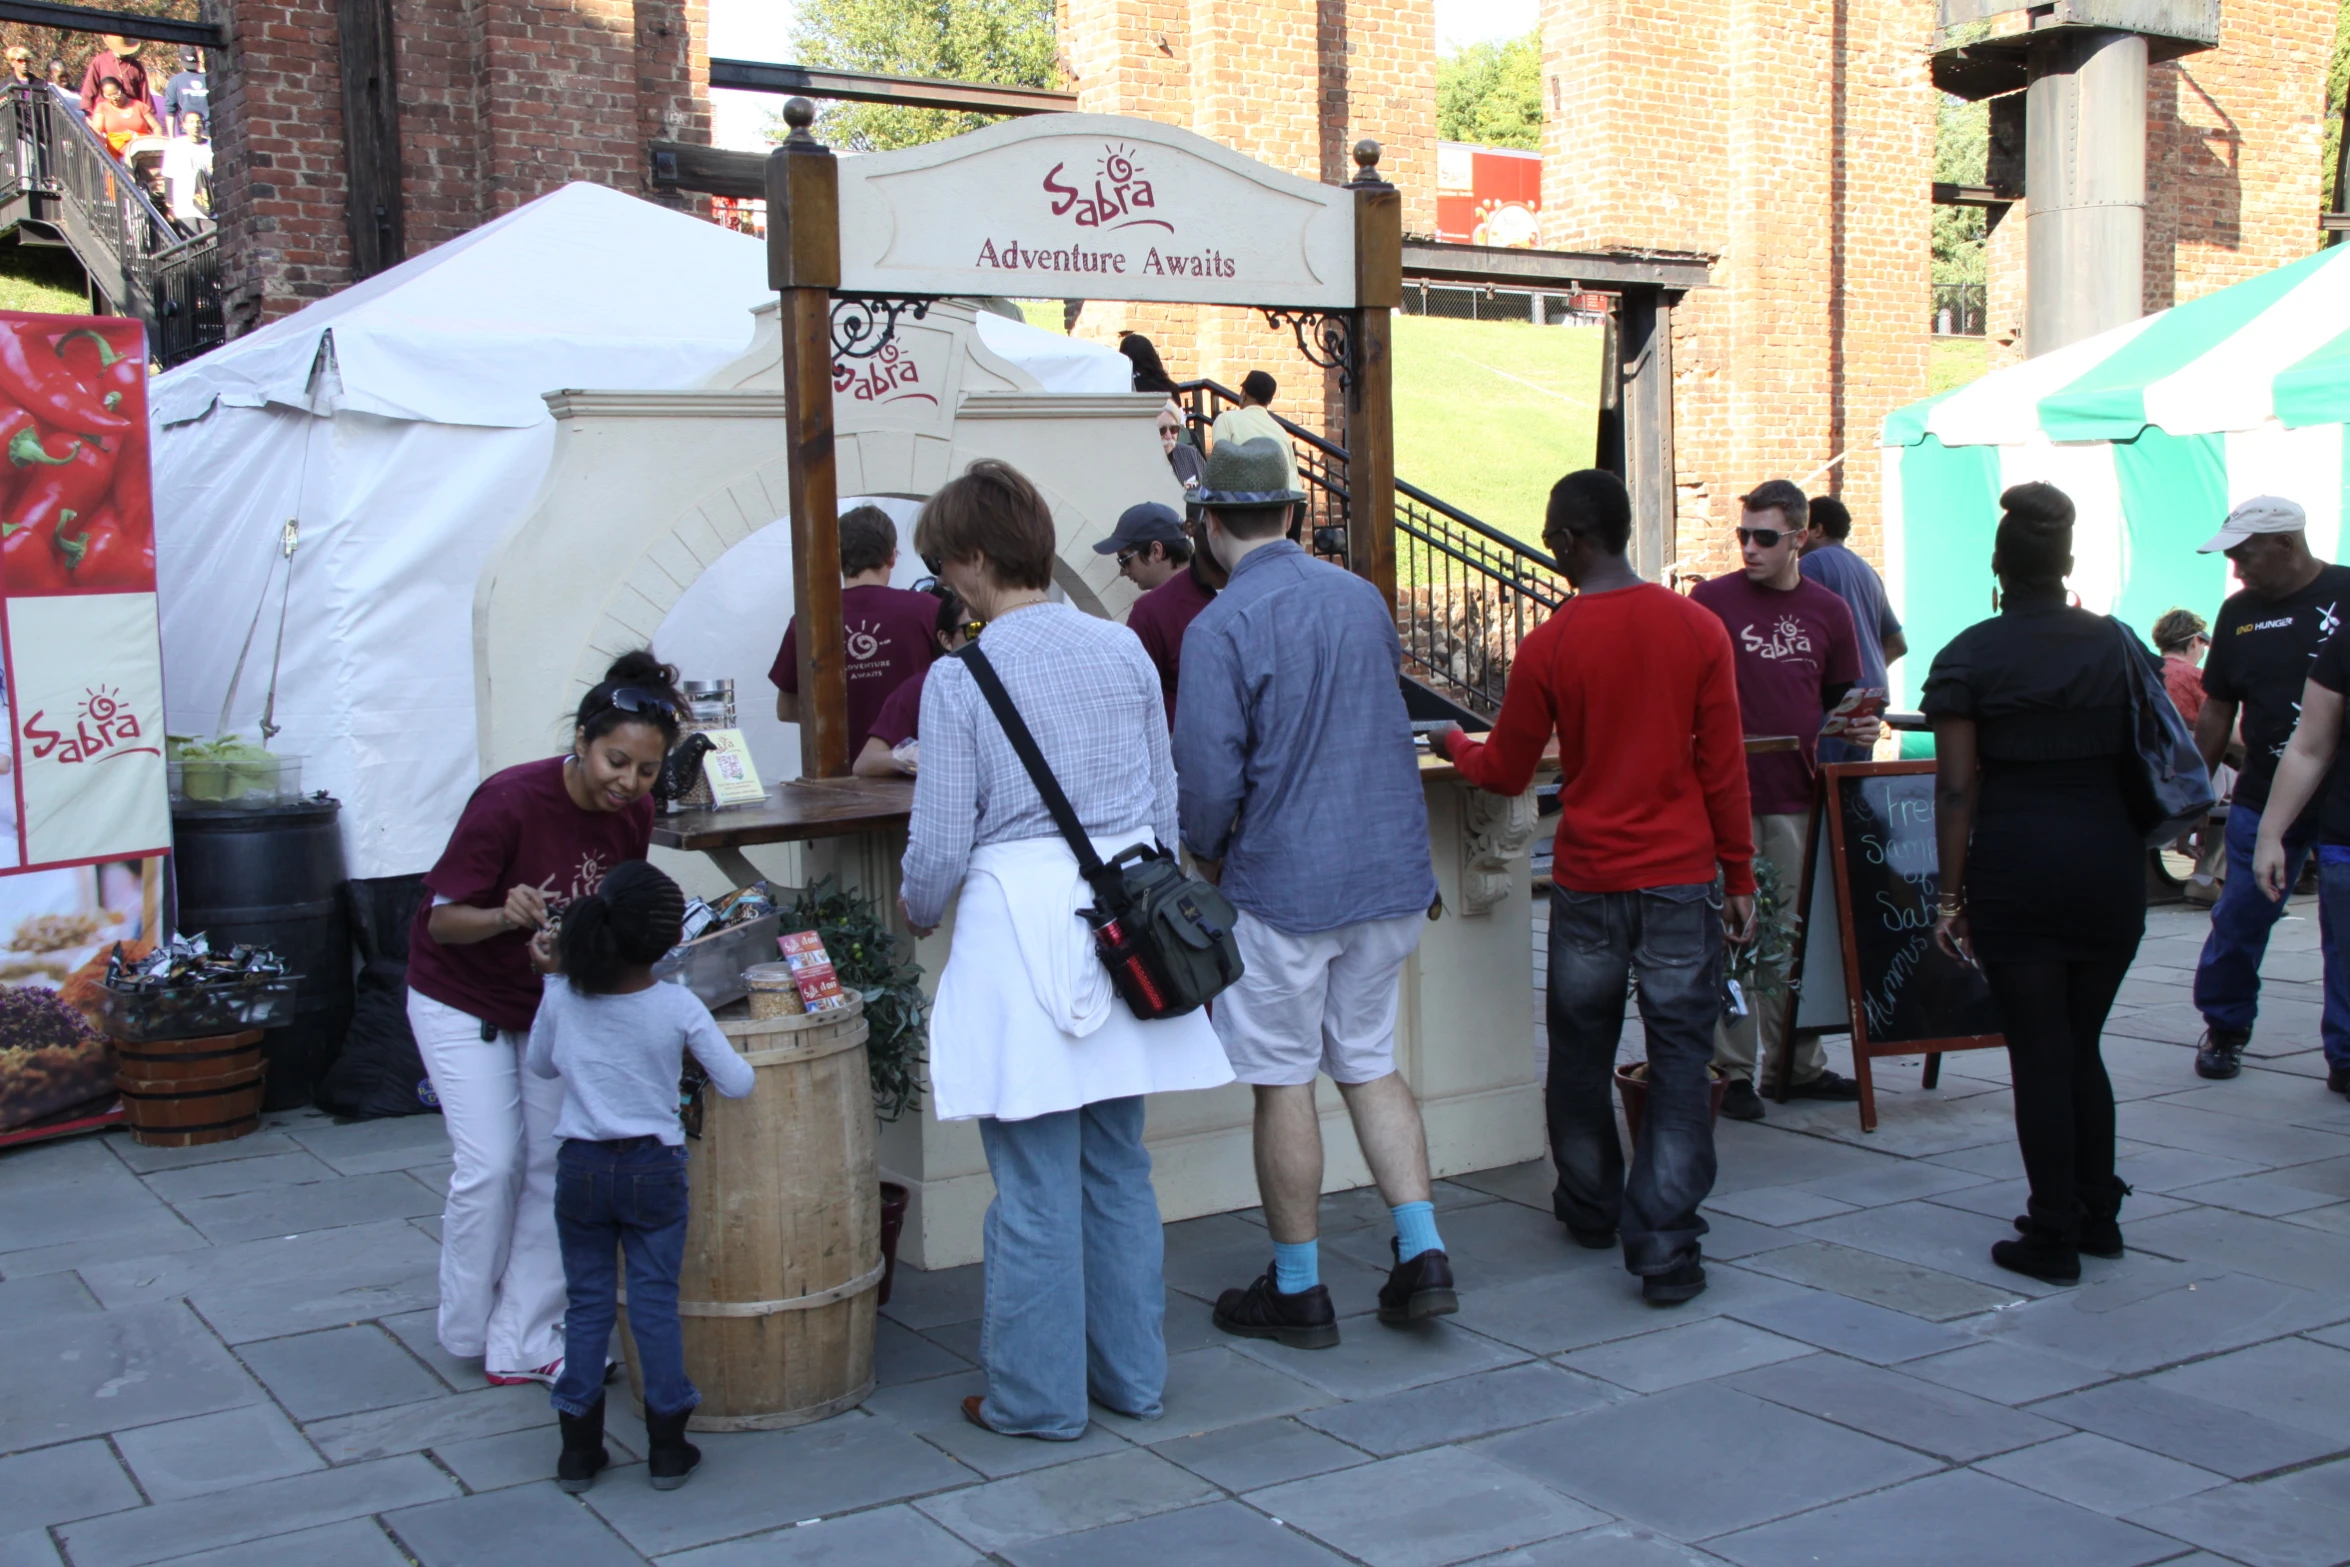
1782	840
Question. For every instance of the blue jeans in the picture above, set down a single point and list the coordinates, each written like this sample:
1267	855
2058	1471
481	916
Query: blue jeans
626	1197
1670	940
2227	979
1076	1301
2333	908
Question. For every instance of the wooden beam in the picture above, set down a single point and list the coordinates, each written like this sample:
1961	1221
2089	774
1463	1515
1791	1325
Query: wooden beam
2334	222
1370	396
713	171
1644	368
1974	196
374	207
803	264
82	19
1553	271
914	92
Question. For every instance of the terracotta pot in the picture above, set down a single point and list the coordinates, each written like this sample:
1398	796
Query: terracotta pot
1632	1088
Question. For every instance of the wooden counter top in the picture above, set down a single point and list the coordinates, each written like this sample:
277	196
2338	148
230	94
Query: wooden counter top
793	812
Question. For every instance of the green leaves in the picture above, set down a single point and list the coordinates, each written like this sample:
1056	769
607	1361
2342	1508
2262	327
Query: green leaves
1007	42
864	954
1760	967
1491	94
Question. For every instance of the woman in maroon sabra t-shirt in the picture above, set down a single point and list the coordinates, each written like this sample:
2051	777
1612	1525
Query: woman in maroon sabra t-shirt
531	839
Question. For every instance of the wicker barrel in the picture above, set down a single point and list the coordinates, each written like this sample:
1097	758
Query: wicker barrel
177	1093
783	1243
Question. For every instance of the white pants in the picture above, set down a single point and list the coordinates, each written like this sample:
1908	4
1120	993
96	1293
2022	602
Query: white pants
501	1265
1324	1001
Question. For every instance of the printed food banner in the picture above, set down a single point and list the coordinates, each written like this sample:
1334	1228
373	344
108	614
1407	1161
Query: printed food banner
85	814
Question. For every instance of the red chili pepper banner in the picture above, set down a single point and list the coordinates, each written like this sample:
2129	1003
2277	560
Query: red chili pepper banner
76	514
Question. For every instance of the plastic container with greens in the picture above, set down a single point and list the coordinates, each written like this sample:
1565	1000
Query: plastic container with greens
230	771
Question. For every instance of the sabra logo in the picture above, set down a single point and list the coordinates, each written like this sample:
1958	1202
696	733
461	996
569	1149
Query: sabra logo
1119	192
103	729
884	378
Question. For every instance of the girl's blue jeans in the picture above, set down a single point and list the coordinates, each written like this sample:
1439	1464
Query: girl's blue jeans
615	1199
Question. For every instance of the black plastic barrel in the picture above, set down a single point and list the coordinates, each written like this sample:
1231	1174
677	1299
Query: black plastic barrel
273	876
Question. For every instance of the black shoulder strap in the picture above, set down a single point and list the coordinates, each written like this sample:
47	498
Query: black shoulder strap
1040	773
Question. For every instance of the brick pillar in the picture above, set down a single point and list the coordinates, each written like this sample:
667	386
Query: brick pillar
277	113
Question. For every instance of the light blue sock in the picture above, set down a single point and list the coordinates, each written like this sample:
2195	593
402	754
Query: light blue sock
1415	1229
1297	1265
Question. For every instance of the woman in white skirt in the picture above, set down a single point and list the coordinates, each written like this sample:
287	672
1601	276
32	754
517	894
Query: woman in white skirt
1027	1035
531	839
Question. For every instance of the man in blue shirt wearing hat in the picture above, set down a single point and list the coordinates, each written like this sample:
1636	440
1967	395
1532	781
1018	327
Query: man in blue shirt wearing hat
1295	772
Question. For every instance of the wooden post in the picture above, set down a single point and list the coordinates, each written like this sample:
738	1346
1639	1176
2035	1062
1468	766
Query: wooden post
803	264
1644	368
1370	397
371	137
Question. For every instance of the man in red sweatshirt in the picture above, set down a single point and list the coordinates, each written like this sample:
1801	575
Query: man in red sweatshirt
1653	870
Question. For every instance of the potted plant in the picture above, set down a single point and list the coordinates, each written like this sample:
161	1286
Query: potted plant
866	956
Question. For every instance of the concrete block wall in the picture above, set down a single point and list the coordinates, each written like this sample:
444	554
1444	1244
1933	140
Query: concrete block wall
501	101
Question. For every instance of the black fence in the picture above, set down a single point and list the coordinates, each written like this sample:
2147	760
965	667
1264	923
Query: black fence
1531	307
62	181
1960	309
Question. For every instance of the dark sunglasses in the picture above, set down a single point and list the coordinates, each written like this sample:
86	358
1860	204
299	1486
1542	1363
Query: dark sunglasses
631	699
971	629
1768	538
1126	558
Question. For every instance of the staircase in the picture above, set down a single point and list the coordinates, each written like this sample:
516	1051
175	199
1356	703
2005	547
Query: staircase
1466	593
60	186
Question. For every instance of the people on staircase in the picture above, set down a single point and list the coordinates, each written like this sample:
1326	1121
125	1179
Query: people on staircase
120	117
120	60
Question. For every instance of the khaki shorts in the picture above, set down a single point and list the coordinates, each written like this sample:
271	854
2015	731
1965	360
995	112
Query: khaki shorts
1319	1002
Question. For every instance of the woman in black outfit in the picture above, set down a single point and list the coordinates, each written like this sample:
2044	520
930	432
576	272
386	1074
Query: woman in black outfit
2043	872
1150	375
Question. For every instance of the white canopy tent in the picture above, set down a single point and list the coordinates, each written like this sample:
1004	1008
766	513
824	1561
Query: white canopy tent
401	424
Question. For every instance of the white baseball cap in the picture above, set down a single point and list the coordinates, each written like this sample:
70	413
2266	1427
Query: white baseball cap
2261	514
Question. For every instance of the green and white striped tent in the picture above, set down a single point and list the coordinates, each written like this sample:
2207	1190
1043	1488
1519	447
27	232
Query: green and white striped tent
2154	429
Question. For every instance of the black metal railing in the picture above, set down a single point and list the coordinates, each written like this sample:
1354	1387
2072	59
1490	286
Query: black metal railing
61	175
1467	593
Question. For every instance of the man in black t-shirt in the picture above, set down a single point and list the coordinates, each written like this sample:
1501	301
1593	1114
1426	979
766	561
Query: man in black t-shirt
2308	779
2261	651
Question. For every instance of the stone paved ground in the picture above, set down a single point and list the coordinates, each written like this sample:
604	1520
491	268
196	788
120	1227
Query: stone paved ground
225	1356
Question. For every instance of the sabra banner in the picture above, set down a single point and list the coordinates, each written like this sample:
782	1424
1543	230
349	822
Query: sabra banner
84	680
1090	206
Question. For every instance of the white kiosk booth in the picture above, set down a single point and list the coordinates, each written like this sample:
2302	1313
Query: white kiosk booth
870	378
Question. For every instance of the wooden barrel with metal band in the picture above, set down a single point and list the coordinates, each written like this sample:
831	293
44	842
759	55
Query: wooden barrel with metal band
178	1093
783	1235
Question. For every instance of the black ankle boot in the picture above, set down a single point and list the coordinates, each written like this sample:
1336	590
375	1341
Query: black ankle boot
2101	1217
584	1452
670	1457
2042	1253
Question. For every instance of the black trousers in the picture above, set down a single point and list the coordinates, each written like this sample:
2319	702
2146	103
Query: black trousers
2053	1015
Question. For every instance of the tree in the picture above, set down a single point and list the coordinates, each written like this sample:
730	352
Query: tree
1491	94
1962	152
2337	83
1006	42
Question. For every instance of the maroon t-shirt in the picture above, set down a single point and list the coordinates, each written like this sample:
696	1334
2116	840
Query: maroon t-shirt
892	634
520	828
1790	644
900	718
1160	617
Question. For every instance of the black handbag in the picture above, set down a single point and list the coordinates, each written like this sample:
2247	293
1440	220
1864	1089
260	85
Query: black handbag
1165	937
2167	785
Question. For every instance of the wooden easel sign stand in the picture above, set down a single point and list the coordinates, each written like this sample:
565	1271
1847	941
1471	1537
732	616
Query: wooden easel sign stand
1876	870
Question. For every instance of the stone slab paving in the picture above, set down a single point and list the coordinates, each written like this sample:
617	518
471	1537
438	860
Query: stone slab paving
225	1356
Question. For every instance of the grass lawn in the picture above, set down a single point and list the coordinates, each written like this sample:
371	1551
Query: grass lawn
1954	361
1489	414
45	281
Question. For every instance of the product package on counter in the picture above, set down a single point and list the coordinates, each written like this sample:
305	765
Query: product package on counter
811	969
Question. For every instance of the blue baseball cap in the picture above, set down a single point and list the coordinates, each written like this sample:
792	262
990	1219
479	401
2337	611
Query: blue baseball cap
1143	524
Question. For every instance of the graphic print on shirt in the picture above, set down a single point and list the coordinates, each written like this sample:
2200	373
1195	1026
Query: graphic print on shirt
1788	639
594	865
866	641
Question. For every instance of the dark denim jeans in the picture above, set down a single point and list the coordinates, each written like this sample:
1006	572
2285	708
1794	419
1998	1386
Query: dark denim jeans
2333	908
626	1197
1669	940
2227	979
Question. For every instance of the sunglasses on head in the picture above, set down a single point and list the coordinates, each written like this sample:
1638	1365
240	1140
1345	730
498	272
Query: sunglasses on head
1768	538
631	699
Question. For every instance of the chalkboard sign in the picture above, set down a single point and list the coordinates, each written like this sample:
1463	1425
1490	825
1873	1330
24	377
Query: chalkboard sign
1875	870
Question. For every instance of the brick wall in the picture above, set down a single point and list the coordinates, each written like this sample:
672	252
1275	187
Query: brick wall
501	101
1792	140
1294	83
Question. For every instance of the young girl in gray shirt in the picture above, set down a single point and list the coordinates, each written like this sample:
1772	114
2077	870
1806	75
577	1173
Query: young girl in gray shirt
617	1038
